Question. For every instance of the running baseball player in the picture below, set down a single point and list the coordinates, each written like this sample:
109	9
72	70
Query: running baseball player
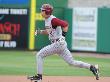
56	29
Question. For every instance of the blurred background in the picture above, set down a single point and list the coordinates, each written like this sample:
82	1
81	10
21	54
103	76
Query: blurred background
89	30
89	23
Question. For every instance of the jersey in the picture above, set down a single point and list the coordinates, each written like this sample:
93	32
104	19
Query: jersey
54	32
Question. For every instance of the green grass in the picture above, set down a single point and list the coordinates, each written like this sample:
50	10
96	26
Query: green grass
24	63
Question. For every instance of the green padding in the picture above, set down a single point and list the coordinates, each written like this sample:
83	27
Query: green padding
55	3
68	17
103	43
41	40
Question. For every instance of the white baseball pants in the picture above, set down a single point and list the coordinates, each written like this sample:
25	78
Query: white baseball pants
61	49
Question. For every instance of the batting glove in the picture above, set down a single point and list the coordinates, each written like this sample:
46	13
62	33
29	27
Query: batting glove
36	33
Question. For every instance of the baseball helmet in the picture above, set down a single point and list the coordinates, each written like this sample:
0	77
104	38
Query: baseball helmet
47	8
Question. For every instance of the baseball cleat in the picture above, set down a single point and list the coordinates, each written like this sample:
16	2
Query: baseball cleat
36	78
95	71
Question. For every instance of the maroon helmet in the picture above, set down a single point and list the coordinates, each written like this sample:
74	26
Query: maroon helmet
47	8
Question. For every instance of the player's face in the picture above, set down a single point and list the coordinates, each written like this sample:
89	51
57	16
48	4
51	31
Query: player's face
43	14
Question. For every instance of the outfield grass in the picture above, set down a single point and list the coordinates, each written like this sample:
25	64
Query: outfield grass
24	63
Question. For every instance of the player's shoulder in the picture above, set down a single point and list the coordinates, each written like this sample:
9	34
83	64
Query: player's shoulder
52	16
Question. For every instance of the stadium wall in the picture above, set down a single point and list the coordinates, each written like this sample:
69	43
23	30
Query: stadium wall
14	24
99	42
89	29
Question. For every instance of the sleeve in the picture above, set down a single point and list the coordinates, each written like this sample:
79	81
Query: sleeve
58	22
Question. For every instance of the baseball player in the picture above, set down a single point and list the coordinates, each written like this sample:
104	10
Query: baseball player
56	29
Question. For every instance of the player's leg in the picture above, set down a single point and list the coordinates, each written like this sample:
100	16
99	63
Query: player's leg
67	56
46	51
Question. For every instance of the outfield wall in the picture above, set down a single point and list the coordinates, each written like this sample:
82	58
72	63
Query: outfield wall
14	24
88	26
30	24
89	29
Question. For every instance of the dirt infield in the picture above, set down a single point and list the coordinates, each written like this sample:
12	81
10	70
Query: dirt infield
54	79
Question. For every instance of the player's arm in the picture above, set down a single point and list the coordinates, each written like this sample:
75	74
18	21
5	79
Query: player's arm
58	22
65	29
41	32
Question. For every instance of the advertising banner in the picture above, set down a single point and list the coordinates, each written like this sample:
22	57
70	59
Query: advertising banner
14	2
14	28
84	29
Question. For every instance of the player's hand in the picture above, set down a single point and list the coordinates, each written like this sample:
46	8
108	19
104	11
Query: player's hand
35	33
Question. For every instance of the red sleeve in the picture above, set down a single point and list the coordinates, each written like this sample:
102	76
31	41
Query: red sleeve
57	22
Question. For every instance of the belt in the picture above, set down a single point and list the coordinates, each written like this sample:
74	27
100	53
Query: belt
54	40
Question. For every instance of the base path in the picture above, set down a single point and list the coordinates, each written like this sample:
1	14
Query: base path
55	79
